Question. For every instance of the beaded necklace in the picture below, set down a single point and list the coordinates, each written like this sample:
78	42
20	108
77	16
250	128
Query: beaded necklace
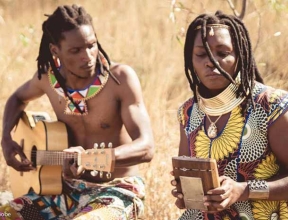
223	102
80	97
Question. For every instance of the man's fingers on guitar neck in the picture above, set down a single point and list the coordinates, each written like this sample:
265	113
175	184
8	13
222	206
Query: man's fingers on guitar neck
77	149
80	170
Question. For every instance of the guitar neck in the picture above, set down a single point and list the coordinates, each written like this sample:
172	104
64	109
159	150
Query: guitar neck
53	157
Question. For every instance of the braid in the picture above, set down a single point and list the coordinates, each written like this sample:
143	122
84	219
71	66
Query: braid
189	43
64	18
242	46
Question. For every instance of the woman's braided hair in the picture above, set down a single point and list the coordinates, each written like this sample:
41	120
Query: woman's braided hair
242	45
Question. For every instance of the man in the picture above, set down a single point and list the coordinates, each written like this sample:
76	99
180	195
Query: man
99	102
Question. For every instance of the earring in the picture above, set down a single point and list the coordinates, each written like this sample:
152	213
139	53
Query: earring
211	32
56	61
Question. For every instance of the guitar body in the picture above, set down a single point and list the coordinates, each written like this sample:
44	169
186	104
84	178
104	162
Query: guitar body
33	136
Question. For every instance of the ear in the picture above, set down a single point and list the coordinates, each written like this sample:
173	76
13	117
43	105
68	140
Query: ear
54	49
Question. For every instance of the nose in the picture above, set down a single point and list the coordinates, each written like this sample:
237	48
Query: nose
210	64
86	55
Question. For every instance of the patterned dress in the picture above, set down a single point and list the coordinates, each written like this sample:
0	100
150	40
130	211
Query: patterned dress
241	149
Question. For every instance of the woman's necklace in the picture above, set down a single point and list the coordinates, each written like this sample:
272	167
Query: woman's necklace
212	129
223	103
219	105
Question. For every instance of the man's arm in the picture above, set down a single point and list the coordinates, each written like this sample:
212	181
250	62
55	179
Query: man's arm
136	120
12	112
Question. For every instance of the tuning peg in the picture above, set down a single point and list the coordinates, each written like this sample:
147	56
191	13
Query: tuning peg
94	173
110	145
95	146
101	174
108	175
102	145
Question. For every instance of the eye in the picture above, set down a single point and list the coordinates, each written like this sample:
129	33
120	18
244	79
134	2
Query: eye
223	54
75	50
200	54
91	46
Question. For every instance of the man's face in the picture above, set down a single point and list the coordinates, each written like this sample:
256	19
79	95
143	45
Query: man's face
78	51
222	49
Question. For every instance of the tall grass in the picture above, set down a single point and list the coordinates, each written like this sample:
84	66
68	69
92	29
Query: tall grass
139	33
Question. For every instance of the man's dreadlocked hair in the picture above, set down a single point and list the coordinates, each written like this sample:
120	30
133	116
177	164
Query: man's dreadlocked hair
242	46
64	18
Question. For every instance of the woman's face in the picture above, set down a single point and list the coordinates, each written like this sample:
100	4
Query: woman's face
222	49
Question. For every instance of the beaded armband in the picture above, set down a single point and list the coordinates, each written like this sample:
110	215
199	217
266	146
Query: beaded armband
258	189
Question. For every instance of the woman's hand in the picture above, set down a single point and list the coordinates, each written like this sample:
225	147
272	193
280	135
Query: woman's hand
179	196
227	194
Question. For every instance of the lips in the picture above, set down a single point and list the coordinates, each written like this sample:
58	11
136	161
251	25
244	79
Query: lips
88	66
214	73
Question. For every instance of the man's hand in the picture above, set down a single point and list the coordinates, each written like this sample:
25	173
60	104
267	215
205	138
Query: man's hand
10	150
76	171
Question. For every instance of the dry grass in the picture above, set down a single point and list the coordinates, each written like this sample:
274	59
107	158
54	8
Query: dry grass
138	33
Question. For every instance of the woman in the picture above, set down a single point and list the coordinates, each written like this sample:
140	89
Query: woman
236	120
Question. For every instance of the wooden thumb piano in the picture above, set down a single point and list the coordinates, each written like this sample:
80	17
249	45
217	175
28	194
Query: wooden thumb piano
196	177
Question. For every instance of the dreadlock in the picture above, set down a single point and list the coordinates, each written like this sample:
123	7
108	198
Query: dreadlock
242	45
64	18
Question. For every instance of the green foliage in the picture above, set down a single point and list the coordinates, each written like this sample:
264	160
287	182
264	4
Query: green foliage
279	5
27	37
24	39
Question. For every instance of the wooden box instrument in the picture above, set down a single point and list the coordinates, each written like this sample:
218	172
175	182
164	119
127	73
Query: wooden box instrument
196	177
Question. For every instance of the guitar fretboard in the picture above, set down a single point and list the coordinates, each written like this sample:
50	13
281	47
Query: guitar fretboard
53	157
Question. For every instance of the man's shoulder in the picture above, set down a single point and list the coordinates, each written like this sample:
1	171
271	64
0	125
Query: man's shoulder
39	78
121	70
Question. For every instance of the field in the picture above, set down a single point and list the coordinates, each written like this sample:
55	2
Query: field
143	34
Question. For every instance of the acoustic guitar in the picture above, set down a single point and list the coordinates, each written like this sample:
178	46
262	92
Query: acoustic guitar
43	143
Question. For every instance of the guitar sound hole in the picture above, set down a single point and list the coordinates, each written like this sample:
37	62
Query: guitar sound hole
34	156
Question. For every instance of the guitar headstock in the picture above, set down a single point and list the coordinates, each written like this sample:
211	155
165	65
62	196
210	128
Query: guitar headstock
99	158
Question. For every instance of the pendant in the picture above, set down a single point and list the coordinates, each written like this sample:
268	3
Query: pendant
212	130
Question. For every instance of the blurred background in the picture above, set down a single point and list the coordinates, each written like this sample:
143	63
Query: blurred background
147	35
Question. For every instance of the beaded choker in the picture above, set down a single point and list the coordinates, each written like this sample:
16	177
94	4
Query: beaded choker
80	96
223	103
